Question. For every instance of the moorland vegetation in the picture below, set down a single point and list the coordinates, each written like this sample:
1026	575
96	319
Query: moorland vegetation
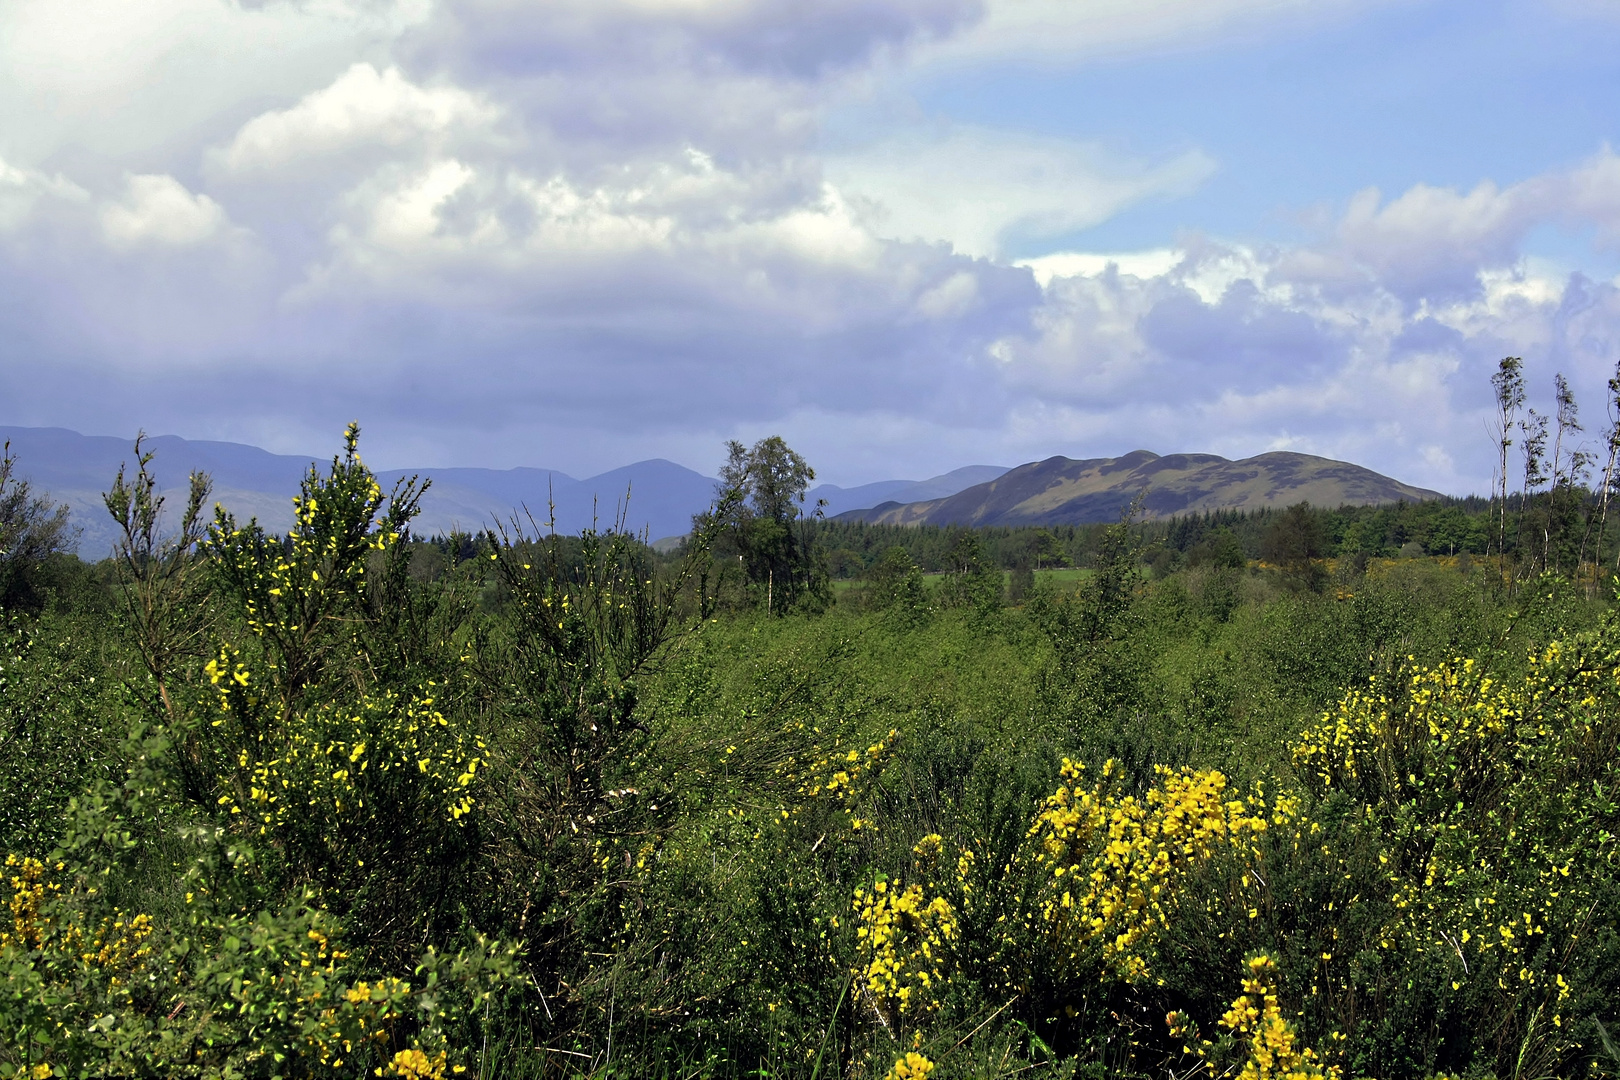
1295	794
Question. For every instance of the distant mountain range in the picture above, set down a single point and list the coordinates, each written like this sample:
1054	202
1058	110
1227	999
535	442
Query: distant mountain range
842	500
250	482
663	496
1061	490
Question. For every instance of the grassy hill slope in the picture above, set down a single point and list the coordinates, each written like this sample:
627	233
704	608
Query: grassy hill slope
1063	491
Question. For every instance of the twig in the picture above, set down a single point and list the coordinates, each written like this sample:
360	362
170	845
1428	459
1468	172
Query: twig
980	1028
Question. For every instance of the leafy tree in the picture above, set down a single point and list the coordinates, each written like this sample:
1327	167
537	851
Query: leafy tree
32	530
1020	581
1220	549
971	580
757	519
895	584
1045	549
1508	384
1296	544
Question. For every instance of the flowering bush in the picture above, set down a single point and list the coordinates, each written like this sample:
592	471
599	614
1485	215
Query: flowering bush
1116	864
1266	1042
903	938
347	759
89	989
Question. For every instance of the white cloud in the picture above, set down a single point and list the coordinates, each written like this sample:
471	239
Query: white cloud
984	191
363	107
157	209
22	190
118	78
954	296
1432	241
1436	239
617	220
1142	264
1593	194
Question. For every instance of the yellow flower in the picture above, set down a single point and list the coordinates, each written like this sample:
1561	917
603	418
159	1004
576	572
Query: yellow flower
911	1067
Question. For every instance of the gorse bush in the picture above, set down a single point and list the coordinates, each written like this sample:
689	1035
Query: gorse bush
350	801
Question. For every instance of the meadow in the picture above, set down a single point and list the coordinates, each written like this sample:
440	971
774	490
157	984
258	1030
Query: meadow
351	802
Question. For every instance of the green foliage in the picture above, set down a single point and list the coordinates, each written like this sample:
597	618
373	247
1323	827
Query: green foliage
895	585
32	533
528	805
1297	543
159	578
971	581
302	596
756	521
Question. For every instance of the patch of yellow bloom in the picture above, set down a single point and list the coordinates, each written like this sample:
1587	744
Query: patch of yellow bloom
911	1067
115	945
902	938
1114	862
413	1064
1453	704
1256	1021
338	757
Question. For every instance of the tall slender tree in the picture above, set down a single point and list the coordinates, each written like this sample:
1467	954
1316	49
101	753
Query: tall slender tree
1570	465
1611	440
1508	382
1533	449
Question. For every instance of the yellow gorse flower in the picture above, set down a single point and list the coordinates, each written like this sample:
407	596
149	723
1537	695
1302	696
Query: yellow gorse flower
903	937
332	755
1256	1019
911	1067
1114	863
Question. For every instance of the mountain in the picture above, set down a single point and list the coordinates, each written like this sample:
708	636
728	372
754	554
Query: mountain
841	500
1063	491
663	496
250	482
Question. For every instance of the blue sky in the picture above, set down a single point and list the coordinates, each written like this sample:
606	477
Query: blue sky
907	235
1305	115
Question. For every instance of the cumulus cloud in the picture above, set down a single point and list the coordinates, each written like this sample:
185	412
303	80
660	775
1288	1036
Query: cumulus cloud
578	233
1221	347
22	191
984	191
364	107
157	209
1436	242
117	78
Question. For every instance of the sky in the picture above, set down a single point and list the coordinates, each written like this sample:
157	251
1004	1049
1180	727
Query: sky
906	235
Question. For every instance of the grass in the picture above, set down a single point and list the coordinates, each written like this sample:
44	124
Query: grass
1067	576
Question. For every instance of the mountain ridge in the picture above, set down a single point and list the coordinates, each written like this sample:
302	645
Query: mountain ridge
1069	491
252	482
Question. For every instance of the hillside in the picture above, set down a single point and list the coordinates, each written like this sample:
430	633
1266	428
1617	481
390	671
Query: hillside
839	499
75	469
253	483
1060	490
